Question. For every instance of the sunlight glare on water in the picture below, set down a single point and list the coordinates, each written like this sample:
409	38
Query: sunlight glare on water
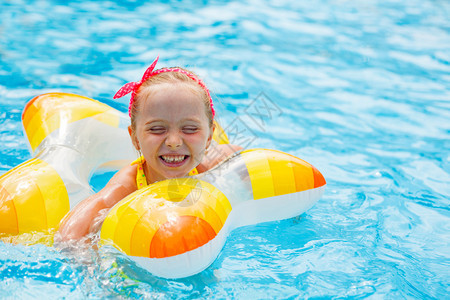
360	90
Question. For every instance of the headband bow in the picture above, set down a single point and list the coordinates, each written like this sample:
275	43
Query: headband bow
132	87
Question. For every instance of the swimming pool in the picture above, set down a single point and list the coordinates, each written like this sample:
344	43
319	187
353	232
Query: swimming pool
360	90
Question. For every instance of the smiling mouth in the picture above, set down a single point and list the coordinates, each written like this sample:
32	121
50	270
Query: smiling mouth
173	160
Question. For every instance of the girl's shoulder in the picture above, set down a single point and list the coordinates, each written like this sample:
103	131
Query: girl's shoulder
125	177
119	186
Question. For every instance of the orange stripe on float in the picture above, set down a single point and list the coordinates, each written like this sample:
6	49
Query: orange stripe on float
319	180
35	108
204	211
48	118
8	215
153	221
185	234
304	178
201	200
29	111
39	129
41	120
146	227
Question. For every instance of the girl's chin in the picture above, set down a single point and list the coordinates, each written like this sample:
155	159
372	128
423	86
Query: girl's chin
173	174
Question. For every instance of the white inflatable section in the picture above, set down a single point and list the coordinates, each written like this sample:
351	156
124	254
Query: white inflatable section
76	150
247	212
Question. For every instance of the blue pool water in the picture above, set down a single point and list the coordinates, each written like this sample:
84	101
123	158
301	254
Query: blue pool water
360	89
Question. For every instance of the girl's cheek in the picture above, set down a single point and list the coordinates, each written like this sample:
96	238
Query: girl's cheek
153	141
199	140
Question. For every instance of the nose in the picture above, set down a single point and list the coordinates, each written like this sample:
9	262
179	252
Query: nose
173	140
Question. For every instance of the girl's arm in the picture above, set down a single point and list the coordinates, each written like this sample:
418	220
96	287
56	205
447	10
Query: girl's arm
80	221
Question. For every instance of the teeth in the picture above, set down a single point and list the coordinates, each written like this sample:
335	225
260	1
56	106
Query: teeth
172	158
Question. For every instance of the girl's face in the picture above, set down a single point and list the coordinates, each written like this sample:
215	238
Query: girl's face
172	131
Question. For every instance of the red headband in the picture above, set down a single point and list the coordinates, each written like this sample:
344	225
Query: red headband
132	87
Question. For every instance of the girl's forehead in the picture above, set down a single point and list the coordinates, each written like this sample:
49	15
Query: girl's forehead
173	101
178	94
167	91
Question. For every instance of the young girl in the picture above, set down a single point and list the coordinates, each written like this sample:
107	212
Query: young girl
172	125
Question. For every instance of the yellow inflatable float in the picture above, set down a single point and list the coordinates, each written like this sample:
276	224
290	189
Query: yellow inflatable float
70	137
177	227
173	228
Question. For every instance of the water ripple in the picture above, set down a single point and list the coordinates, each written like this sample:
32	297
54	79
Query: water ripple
363	93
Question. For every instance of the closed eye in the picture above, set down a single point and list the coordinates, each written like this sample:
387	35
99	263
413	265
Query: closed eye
190	129
157	129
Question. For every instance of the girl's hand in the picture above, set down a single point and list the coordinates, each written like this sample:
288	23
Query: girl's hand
88	215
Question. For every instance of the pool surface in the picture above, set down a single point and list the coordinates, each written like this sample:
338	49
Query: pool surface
359	89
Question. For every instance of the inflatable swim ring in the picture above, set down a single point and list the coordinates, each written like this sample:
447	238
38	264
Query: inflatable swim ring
70	137
173	228
177	227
